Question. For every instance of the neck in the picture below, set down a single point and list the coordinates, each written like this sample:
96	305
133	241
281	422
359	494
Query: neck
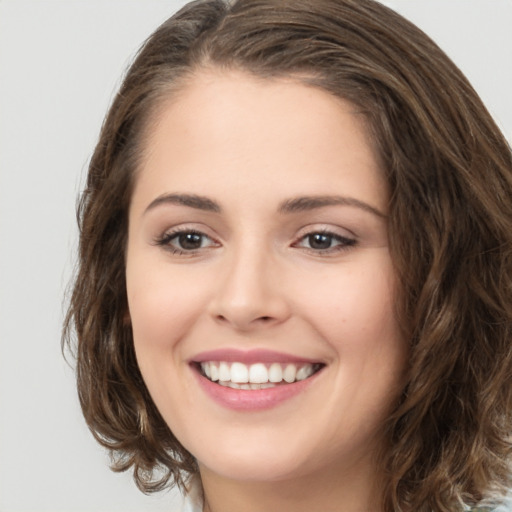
330	492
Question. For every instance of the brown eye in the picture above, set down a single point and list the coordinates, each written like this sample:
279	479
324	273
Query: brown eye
325	242
189	241
320	241
185	241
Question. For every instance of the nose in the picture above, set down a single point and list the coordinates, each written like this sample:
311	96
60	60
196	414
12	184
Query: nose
250	293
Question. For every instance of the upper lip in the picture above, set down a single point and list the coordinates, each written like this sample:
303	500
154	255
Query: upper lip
249	356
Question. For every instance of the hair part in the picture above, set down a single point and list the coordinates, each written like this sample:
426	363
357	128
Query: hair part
450	175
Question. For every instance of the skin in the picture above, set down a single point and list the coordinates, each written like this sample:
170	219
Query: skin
257	281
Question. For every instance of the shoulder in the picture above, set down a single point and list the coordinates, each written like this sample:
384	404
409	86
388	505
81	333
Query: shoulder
505	506
501	508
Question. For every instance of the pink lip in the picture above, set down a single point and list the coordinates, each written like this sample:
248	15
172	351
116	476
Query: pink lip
254	399
249	356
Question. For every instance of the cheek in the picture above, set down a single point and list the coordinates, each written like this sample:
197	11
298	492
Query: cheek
162	305
356	317
163	308
357	306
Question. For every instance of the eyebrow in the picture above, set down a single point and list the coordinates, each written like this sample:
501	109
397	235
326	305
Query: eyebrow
295	205
190	200
306	203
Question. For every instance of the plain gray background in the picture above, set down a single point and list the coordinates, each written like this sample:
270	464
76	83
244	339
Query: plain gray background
60	63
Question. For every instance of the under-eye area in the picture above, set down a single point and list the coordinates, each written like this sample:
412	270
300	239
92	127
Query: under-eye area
239	375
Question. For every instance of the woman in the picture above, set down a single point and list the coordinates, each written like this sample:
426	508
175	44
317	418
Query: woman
295	281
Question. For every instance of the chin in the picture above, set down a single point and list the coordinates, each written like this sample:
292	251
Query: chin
254	462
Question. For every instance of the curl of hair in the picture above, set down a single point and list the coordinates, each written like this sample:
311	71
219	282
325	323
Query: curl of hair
450	175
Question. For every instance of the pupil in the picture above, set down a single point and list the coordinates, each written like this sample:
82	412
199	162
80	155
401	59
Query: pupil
190	241
319	241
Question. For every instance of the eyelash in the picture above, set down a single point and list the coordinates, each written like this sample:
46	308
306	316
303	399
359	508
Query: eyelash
167	238
344	243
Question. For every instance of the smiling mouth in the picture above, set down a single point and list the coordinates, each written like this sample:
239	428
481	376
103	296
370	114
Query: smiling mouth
238	375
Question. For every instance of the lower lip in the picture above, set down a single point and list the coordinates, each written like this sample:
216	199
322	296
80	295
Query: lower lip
254	399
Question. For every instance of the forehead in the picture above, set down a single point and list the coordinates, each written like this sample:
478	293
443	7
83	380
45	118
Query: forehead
258	132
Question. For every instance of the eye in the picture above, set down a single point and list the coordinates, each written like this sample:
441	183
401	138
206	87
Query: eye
324	241
185	241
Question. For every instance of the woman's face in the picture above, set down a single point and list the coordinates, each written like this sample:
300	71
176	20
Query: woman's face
258	255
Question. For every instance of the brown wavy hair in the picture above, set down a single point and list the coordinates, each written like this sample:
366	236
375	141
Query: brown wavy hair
450	226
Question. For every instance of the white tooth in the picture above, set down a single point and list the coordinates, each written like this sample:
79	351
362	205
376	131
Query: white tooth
224	373
275	373
264	385
206	369
304	372
214	372
233	385
224	382
245	386
289	373
239	373
258	373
